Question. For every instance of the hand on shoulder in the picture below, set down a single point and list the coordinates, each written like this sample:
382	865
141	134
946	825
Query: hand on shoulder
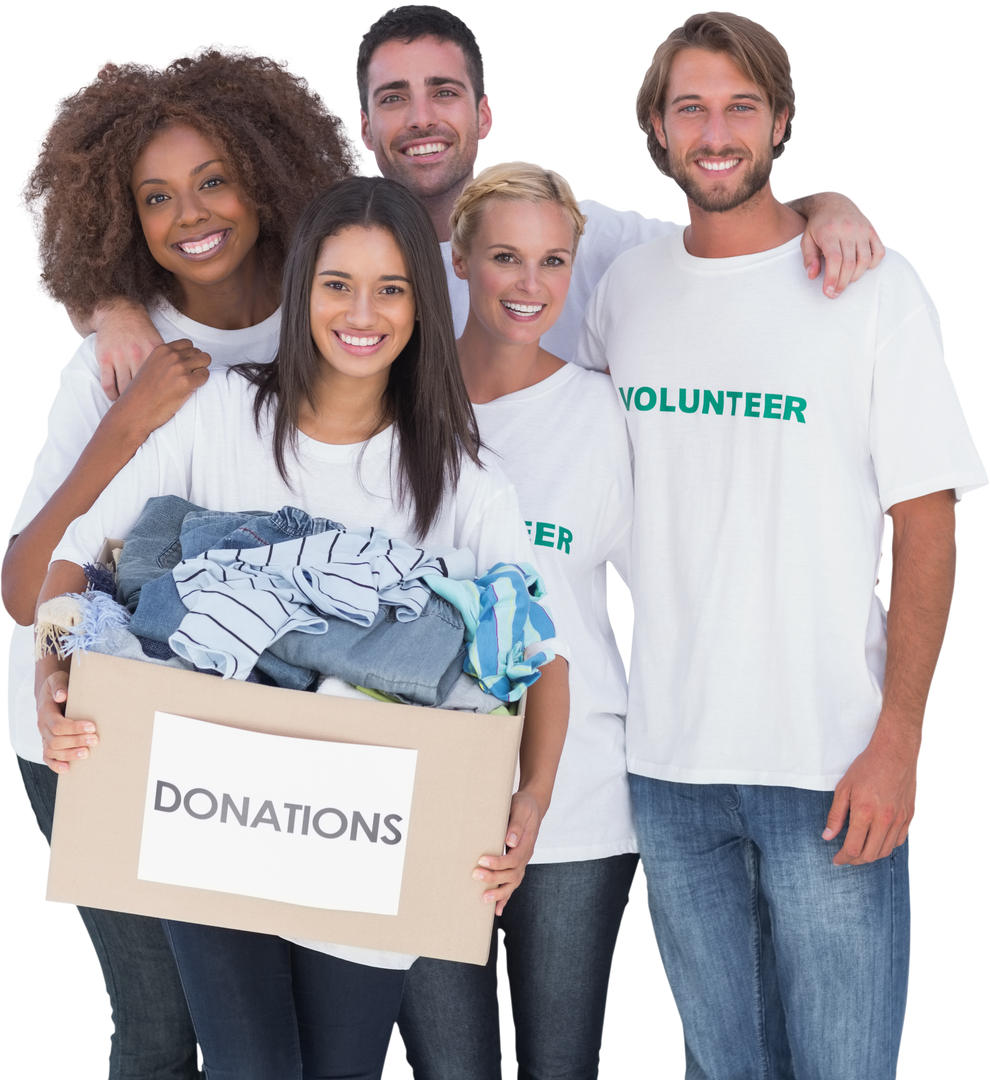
164	383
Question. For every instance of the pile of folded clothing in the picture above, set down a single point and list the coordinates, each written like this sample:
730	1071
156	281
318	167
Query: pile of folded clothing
306	603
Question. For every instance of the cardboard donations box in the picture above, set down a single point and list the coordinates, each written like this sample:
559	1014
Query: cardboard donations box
247	806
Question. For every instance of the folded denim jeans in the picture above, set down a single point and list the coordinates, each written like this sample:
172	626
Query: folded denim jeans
418	660
242	602
171	529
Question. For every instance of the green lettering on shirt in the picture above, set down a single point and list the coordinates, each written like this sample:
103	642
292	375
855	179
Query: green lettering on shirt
795	405
544	534
545	538
713	401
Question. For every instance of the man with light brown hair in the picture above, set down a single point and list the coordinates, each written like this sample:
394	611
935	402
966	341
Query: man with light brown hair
774	709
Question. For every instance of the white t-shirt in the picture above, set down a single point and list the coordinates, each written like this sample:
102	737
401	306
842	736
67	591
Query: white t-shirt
771	429
211	453
77	410
607	234
564	444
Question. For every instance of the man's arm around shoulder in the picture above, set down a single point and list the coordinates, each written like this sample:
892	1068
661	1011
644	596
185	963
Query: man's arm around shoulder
125	337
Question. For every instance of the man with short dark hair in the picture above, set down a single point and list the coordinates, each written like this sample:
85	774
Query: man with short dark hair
424	110
427	141
771	697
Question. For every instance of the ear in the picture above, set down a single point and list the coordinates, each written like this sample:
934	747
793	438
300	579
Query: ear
657	123
459	265
484	117
779	126
366	131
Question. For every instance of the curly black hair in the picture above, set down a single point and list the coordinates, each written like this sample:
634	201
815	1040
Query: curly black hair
281	144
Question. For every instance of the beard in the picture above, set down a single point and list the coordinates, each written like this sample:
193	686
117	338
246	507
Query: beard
724	196
433	181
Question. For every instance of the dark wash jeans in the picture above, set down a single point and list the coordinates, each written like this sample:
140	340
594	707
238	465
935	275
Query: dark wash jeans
419	660
560	929
267	1009
153	1037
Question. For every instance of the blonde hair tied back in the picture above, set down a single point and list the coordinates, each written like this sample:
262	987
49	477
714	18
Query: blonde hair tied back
513	180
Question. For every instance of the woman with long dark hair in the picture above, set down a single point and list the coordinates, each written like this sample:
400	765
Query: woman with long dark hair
363	417
179	189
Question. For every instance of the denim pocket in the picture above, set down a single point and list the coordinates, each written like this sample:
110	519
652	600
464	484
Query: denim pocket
170	557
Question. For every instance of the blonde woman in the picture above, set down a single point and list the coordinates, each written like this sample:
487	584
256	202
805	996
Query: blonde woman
560	437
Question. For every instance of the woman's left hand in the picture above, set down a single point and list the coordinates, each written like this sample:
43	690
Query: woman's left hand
505	872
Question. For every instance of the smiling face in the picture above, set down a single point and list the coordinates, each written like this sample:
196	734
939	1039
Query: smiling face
195	220
361	306
718	129
519	268
423	123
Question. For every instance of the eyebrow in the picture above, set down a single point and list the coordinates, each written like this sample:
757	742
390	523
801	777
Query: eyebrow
511	247
194	172
432	80
349	277
735	97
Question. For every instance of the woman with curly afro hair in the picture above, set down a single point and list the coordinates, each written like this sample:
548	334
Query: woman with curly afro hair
176	192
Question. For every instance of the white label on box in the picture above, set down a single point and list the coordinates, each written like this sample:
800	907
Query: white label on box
321	824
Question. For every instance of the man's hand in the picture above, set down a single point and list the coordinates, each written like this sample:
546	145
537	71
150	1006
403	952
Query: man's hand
505	872
877	795
838	233
125	337
877	792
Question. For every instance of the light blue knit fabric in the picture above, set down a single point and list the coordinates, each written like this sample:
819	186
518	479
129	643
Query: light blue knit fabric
502	619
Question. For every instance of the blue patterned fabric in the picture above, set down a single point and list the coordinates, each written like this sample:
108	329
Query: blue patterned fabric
502	619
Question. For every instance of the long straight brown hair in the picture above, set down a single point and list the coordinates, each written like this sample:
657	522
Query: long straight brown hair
425	395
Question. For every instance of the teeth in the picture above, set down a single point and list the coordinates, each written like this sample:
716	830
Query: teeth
425	148
523	309
718	166
361	342
202	245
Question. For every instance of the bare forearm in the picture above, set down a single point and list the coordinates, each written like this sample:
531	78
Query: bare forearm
547	709
117	307
26	563
823	200
924	559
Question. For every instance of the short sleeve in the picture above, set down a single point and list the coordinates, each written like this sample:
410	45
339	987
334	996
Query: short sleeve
591	343
79	406
919	440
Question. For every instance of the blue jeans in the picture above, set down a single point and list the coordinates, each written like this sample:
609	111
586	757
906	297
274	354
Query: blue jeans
266	1009
153	1037
782	965
560	928
419	661
171	529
